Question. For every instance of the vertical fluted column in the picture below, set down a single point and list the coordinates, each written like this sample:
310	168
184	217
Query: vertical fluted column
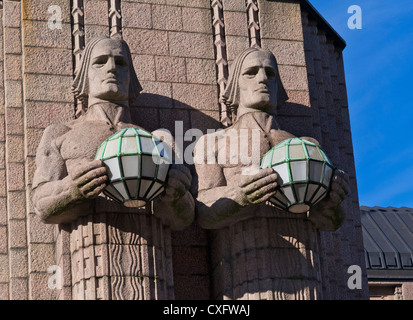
121	257
253	23
220	55
115	19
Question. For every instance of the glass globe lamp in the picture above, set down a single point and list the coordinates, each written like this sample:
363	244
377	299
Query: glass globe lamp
138	166
304	174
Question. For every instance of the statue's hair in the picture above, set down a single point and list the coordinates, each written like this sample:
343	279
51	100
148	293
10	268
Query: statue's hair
80	85
231	95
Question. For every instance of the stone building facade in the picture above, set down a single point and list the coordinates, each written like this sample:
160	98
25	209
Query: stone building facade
182	51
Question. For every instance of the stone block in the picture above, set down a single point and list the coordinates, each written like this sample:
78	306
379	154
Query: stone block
286	52
38	231
15	176
4	291
95	30
3	208
169	118
189	3
51	88
19	289
200	71
3	240
41	257
132	10
38	34
4	268
196	20
294	77
39	10
167	18
170	69
39	289
12	41
16	204
196	96
3	190
2	128
15	149
40	114
204	120
152	42
234	5
236	23
235	45
147	117
47	60
195	45
13	69
144	66
14	121
96	12
17	233
18	263
155	94
11	13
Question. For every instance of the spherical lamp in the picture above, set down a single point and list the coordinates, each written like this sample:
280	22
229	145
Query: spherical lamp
138	166
304	174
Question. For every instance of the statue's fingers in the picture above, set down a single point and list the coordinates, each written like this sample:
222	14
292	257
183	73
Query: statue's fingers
180	176
260	183
96	183
246	180
91	175
83	169
263	193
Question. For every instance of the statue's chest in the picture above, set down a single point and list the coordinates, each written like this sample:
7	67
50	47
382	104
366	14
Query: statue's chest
84	139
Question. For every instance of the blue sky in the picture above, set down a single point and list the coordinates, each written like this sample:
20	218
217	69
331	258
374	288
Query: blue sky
378	63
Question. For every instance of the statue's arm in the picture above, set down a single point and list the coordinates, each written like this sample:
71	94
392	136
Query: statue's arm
220	204
55	192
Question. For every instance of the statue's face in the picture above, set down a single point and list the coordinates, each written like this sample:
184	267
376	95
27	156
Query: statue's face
108	71
258	82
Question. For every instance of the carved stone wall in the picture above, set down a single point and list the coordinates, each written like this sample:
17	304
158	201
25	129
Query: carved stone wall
182	52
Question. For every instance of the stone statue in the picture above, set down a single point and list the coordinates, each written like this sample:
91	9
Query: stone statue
66	175
131	246
233	194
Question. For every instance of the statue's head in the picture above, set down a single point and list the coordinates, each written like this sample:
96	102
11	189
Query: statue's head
254	83
106	72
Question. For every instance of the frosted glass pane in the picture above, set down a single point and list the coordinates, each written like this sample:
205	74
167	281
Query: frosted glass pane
113	168
148	167
300	191
121	189
328	171
312	188
130	165
99	152
313	152
132	187
266	160
298	170
143	132
325	157
147	145
295	140
279	196
117	134
145	184
154	189
296	152
320	193
163	171
283	176
279	155
111	148
112	193
130	131
158	192
316	171
129	145
288	191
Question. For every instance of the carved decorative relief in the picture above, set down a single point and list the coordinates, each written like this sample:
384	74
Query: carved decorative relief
253	23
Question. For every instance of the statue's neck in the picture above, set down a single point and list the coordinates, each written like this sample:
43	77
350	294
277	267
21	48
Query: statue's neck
113	113
260	119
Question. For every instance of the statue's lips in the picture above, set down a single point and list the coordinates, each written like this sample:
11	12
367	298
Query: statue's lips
262	90
111	80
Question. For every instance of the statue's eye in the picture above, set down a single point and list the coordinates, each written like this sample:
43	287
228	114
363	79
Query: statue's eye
121	61
251	72
270	72
99	62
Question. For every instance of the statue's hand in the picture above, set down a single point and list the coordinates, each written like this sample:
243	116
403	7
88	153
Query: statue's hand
340	188
89	179
328	214
179	182
257	188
